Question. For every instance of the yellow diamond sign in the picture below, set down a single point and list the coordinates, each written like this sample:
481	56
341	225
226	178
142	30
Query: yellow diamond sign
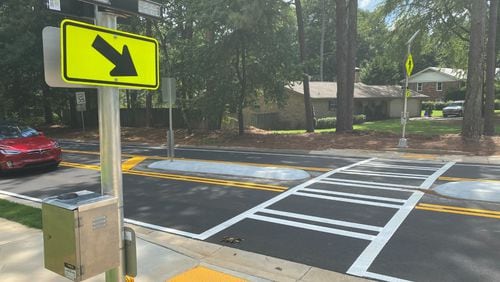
95	55
409	64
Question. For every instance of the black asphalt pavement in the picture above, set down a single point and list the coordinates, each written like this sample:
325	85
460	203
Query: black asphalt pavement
368	217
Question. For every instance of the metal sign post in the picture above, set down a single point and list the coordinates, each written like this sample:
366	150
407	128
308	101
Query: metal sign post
403	142
110	150
81	106
169	89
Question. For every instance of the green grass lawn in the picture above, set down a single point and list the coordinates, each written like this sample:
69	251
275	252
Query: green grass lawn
25	215
421	127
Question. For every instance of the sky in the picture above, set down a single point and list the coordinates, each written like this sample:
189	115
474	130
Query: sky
368	4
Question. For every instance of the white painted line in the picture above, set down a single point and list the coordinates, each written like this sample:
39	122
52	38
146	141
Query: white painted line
20	196
384	277
373	183
313	227
163	229
383	175
365	260
480	165
131	221
394	200
381	165
323	220
240	217
364	186
428	183
438	164
361	202
390	173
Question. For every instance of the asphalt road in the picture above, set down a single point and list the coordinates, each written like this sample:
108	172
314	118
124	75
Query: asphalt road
369	217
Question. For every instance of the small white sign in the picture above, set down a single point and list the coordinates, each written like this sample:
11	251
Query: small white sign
80	98
55	5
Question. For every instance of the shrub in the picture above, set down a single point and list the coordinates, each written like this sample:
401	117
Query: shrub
359	119
326	123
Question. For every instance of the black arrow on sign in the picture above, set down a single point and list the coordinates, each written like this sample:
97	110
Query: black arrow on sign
124	66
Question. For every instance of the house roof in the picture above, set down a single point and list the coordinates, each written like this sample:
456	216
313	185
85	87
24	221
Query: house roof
328	90
448	73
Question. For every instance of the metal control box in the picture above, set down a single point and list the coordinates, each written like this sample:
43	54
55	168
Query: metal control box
80	234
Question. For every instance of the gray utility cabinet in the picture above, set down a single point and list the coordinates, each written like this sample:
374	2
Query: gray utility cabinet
80	234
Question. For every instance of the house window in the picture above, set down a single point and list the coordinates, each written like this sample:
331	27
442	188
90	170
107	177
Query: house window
439	86
332	105
420	87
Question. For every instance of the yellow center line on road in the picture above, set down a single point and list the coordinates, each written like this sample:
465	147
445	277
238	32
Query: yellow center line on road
319	169
132	162
459	210
238	184
461	179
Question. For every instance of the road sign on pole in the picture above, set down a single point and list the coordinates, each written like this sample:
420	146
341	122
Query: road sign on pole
403	143
95	55
409	64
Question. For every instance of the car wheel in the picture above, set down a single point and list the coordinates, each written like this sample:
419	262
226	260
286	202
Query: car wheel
54	166
445	115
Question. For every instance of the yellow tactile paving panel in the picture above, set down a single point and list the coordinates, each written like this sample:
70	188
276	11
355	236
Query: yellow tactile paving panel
203	274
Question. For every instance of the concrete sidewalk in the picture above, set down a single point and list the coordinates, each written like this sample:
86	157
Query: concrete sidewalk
161	257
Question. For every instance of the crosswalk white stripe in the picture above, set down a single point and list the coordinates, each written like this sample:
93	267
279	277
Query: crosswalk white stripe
381	165
323	220
313	227
364	261
383	175
363	186
361	196
242	216
338	199
383	184
389	173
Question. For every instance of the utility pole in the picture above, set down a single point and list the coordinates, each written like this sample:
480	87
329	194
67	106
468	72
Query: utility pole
403	142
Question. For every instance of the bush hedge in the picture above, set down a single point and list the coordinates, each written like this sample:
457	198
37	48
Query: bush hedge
331	122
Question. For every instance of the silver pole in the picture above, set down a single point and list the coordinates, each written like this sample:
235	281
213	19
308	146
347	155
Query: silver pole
171	135
110	150
83	121
403	142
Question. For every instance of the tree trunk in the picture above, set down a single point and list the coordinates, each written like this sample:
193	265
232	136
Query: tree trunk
149	94
47	108
322	41
242	76
472	123
346	14
302	49
489	109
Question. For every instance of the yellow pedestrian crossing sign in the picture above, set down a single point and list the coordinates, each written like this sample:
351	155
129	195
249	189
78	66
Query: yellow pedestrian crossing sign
409	64
95	55
408	93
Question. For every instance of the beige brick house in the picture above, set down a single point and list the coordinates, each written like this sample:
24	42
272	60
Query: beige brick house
375	101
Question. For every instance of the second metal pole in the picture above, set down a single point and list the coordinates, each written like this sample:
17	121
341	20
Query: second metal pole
110	150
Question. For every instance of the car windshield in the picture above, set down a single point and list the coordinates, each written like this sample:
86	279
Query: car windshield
456	104
13	132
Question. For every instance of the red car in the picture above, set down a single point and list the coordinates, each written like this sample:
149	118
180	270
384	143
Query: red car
24	147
